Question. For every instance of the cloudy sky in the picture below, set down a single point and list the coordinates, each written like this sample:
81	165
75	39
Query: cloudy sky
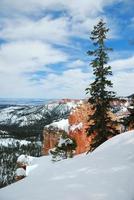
43	45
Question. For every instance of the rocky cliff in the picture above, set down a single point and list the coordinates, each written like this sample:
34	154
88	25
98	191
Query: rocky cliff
78	121
51	136
77	124
76	127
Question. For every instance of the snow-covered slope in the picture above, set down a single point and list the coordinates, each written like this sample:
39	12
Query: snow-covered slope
25	115
62	124
106	174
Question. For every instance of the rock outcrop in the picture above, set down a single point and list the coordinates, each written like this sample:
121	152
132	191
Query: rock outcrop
22	163
77	127
78	124
51	136
78	121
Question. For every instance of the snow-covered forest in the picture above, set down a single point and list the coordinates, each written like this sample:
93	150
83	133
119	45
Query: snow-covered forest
10	150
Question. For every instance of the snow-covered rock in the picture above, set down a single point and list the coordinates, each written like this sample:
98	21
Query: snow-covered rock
20	172
65	141
24	159
76	126
62	124
27	163
105	174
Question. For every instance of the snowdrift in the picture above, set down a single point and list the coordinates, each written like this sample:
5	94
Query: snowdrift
106	174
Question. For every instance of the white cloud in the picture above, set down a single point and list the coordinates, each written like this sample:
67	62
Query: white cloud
24	6
14	85
76	64
28	56
121	54
81	14
31	31
76	8
123	64
123	78
123	83
18	58
70	83
45	29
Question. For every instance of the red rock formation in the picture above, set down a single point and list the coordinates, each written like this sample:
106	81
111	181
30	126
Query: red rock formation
78	121
51	136
78	125
77	130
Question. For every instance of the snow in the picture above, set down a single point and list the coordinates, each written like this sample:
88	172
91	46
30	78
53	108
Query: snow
105	174
3	132
29	161
30	168
62	124
20	172
24	159
71	105
65	141
124	109
76	126
131	107
10	141
26	115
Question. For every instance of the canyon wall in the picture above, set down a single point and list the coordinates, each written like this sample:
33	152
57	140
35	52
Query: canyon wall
51	136
78	120
78	124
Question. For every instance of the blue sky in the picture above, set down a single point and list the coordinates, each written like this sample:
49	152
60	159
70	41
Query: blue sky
43	45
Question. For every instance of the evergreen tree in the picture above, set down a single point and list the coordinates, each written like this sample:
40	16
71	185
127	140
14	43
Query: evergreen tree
100	95
64	148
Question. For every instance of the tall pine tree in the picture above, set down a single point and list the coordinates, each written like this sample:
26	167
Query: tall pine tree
100	95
